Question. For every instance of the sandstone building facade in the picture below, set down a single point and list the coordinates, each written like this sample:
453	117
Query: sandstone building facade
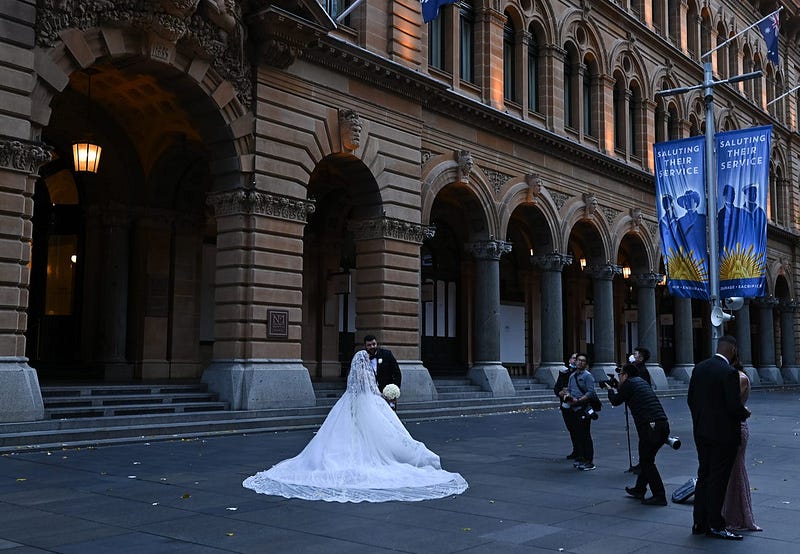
277	181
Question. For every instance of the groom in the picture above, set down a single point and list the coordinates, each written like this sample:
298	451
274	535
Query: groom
384	365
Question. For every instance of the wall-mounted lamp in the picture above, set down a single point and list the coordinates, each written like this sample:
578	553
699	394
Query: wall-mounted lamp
626	272
663	281
86	153
74	258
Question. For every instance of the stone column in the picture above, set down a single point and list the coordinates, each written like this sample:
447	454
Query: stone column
20	395
487	371
107	238
790	371
742	335
389	308
684	338
603	290
258	301
648	326
767	369
552	316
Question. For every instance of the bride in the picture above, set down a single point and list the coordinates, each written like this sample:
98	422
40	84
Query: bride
361	453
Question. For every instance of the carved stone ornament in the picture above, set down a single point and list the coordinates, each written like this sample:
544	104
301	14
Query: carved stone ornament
211	29
465	164
388	228
559	198
496	178
350	129
23	156
534	186
489	249
636	217
647	280
283	36
590	202
610	214
554	261
248	201
603	272
424	156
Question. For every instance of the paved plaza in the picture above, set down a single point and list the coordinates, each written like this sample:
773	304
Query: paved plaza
186	496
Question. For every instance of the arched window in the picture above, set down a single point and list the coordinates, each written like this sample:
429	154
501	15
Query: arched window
769	77
673	123
659	21
635	127
661	121
674	21
692	30
534	90
733	58
705	33
722	53
509	60
758	84
571	87
747	67
619	112
466	41
589	85
779	106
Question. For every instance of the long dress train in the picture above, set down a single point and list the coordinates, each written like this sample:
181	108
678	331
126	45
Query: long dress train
737	510
361	453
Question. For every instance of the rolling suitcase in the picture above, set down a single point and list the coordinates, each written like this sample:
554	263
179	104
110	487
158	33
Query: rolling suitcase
683	493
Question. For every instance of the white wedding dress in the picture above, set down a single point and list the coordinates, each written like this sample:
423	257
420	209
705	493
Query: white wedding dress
361	453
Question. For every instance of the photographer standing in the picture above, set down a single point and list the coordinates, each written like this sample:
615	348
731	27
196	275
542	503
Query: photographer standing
652	427
561	391
580	389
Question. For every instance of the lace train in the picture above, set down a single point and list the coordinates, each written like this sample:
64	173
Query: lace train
361	453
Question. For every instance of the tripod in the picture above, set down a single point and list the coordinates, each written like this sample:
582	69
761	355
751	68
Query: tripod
630	469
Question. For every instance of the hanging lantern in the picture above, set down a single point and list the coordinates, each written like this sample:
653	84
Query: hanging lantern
86	156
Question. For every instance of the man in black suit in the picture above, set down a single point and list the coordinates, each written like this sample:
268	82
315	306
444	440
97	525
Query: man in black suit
384	365
717	412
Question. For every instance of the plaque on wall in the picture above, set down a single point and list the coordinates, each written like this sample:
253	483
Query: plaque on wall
278	324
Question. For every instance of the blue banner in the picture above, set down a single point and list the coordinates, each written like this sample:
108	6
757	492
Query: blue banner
430	8
742	184
680	193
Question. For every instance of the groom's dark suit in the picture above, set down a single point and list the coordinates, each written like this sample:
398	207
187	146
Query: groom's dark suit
388	371
717	412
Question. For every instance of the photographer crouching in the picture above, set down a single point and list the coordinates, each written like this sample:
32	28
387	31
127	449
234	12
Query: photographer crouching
652	427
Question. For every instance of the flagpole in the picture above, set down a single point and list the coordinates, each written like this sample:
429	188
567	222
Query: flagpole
740	33
784	95
349	9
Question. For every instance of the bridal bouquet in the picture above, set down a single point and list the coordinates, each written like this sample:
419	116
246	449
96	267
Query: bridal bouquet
391	392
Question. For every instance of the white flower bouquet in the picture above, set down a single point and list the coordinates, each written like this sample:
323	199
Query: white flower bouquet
391	392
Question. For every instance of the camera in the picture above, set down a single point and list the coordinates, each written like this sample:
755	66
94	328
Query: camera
673	442
588	412
611	382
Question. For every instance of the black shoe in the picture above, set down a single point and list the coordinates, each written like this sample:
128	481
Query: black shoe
635	493
655	501
588	466
571	456
723	534
578	462
698	529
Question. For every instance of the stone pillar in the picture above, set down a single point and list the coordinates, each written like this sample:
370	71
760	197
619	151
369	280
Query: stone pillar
743	341
684	339
258	301
107	237
603	291
790	371
648	326
767	369
20	395
487	371
389	308
552	316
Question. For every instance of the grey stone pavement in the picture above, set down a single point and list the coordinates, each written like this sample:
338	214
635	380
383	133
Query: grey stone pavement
186	496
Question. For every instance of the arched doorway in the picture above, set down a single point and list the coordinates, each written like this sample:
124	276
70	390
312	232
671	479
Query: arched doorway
123	260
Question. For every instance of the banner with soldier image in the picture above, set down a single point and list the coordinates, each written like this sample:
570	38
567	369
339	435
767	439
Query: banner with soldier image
742	185
681	199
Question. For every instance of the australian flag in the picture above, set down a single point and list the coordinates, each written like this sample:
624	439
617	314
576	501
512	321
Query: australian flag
430	8
769	28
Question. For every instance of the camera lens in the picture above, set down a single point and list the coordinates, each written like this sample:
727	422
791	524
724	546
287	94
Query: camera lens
674	442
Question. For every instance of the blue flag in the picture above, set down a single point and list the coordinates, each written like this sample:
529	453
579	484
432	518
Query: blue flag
769	28
680	190
430	8
742	182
